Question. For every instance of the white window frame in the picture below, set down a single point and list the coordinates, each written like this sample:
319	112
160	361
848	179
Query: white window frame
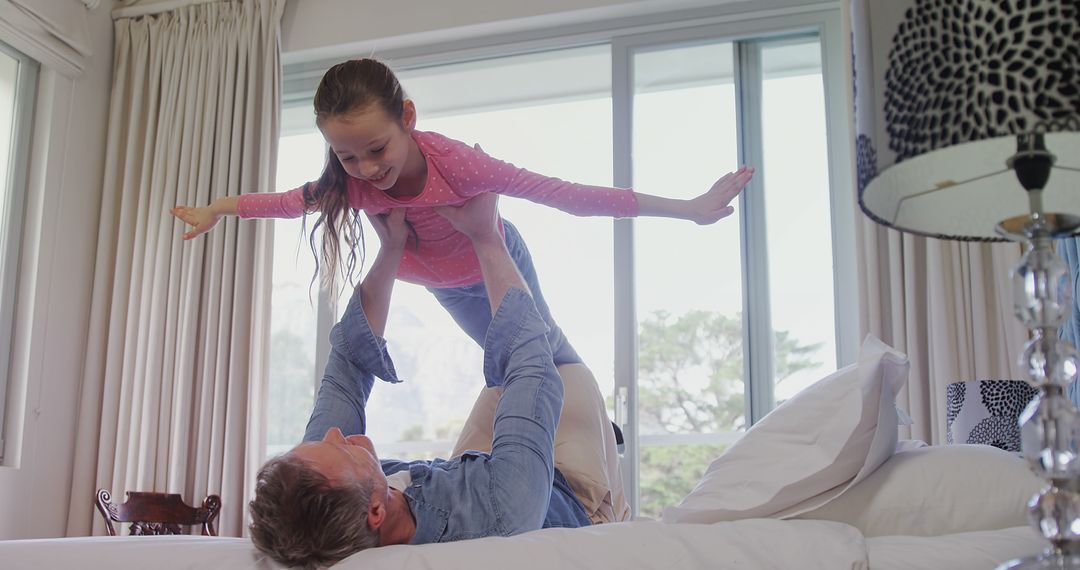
716	23
12	223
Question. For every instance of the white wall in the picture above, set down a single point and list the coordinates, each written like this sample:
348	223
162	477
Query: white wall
56	276
318	29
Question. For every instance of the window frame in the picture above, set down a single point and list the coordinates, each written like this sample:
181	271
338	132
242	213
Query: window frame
11	225
747	31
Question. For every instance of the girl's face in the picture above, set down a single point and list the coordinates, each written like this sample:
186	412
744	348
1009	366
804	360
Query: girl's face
371	145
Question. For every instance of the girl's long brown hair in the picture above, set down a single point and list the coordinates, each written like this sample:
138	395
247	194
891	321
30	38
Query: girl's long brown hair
346	88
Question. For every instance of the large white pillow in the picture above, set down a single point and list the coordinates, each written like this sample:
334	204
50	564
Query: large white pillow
935	491
809	449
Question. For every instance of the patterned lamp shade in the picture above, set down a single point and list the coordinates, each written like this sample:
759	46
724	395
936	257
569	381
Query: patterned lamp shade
942	89
987	412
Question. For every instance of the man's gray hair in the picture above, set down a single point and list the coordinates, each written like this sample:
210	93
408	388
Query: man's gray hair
300	519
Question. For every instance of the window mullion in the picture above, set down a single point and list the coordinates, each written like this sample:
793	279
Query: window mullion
757	322
626	356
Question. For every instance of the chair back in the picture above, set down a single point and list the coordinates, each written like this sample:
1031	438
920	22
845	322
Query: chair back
157	513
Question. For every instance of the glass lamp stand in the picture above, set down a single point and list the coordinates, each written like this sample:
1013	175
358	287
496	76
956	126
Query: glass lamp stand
1050	425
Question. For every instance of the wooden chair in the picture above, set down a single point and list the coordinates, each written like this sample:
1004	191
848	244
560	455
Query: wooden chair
157	513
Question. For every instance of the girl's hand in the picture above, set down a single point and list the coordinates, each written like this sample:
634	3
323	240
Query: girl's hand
391	227
714	204
202	220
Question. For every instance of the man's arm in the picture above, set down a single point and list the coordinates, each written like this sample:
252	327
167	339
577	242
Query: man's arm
357	349
378	284
517	357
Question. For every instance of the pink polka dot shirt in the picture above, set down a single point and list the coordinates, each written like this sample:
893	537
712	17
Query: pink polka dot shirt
456	172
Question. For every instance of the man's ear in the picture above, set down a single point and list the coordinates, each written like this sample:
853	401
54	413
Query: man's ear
408	115
376	514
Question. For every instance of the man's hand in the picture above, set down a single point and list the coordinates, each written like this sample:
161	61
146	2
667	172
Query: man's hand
391	227
478	218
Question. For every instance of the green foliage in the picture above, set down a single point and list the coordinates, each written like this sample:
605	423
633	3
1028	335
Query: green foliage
690	380
668	473
690	371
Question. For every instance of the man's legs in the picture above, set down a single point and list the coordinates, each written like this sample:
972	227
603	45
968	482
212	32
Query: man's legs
585	450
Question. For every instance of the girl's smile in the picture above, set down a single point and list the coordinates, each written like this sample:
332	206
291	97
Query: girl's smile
374	147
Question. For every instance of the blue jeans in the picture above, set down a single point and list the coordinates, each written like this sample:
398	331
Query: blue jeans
470	308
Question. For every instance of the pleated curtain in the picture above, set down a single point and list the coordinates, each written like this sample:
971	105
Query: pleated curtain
947	304
172	394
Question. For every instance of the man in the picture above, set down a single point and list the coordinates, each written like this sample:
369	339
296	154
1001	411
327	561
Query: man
328	498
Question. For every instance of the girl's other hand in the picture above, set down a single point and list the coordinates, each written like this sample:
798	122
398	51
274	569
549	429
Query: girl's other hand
202	220
391	228
715	205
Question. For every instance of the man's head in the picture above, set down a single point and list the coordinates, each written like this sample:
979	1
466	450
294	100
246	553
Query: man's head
320	502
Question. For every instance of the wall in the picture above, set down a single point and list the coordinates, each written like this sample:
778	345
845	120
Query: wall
56	276
319	29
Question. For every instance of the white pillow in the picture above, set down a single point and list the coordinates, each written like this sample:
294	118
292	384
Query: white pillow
809	449
935	491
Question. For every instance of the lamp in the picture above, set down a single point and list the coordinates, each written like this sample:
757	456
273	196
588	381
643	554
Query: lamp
967	118
986	412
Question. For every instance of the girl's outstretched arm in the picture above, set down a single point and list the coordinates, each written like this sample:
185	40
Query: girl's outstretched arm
713	205
205	218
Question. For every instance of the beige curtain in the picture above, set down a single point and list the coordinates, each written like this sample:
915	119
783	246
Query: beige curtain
947	304
172	397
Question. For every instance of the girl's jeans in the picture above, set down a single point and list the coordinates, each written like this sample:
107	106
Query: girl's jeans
470	307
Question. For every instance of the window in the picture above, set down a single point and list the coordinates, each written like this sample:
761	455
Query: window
293	331
693	332
18	83
722	335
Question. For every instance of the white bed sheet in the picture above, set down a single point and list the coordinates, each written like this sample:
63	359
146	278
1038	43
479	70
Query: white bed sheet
751	544
758	544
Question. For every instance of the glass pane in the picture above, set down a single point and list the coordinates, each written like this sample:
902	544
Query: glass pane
291	388
11	159
550	113
9	74
689	289
797	214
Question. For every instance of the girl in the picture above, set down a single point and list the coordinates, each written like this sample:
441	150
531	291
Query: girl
378	161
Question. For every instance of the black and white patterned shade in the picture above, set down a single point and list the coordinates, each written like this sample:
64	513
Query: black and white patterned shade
942	88
986	412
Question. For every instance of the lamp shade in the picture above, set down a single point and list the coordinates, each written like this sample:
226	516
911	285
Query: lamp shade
942	89
986	412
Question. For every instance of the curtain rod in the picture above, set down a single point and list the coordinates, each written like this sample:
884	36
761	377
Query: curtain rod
146	9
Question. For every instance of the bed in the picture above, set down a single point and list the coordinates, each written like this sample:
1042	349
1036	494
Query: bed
821	482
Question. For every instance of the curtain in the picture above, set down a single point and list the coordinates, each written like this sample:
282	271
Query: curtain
947	304
172	394
1069	250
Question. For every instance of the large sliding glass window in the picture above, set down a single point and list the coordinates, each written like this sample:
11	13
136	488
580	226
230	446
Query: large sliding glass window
18	86
717	324
688	279
735	316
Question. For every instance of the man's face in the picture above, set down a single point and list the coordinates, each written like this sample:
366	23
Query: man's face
344	459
